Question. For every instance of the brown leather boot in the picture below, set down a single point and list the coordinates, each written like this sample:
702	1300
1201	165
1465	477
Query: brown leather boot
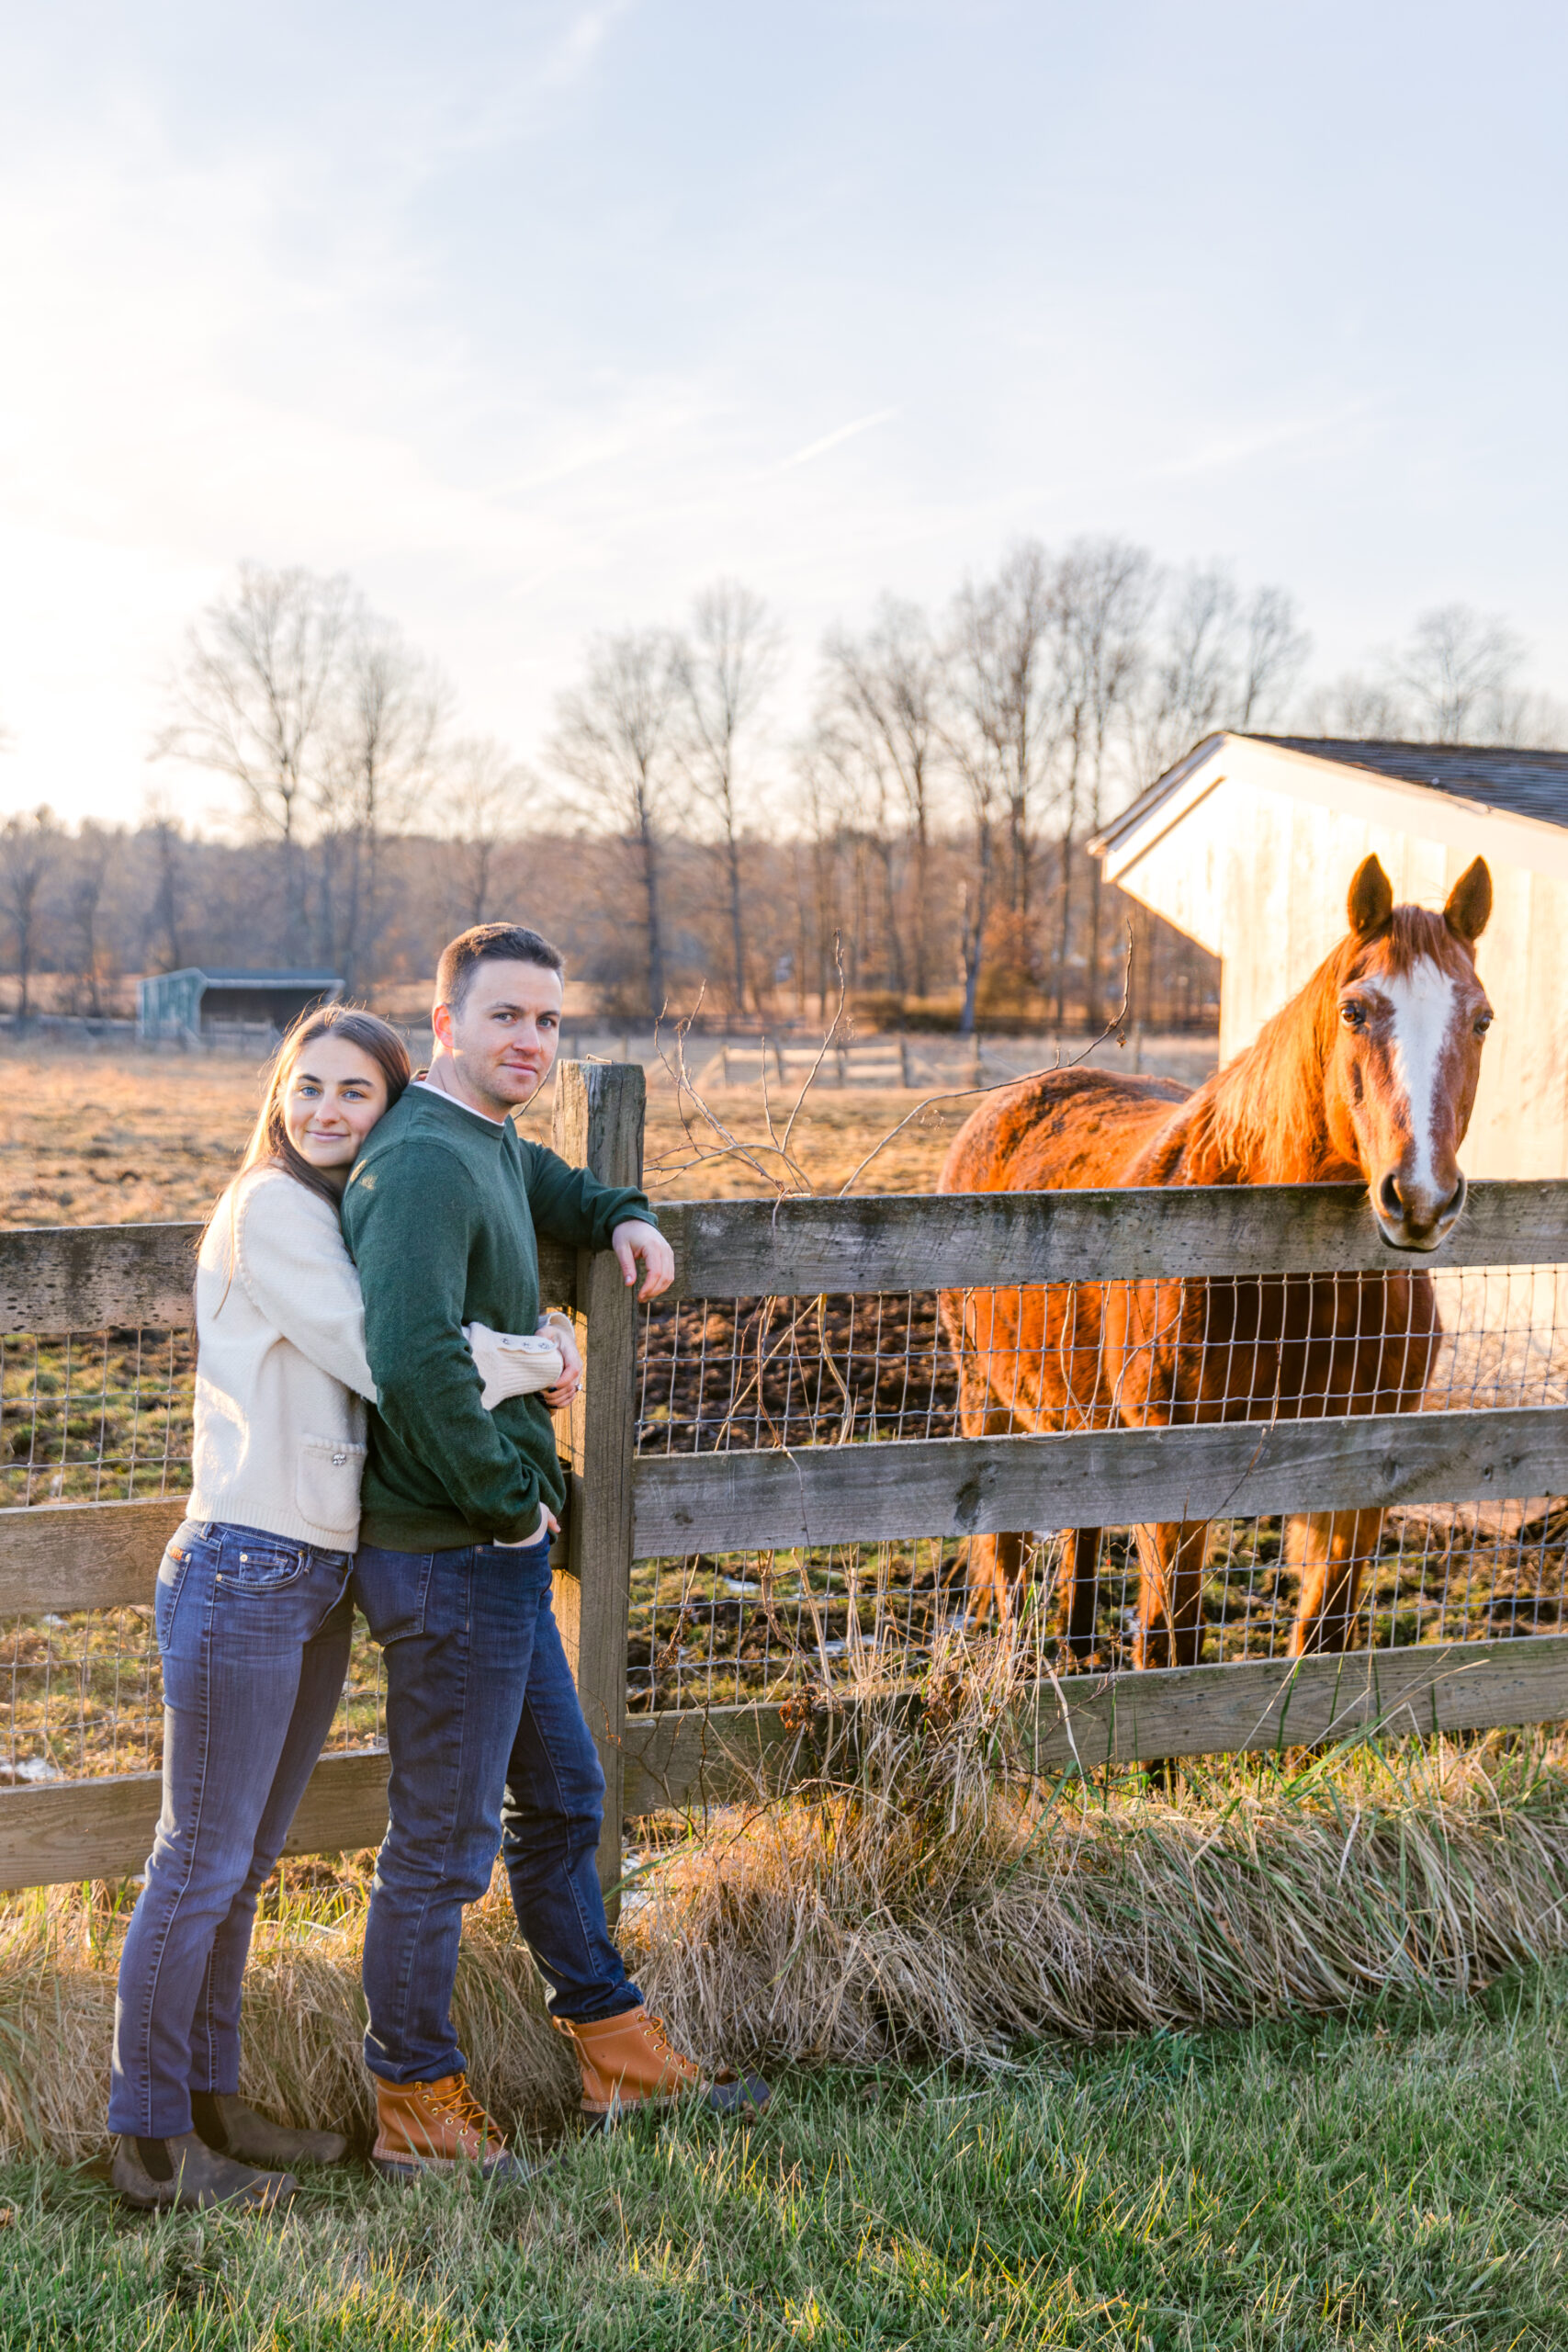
629	2059
225	2123
438	2127
182	2173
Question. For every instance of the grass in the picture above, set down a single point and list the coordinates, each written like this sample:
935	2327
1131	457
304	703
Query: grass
1393	2184
1051	2074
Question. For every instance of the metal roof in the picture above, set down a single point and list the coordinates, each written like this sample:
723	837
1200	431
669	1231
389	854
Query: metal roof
236	980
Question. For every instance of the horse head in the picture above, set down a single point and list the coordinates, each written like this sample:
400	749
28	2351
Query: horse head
1410	1016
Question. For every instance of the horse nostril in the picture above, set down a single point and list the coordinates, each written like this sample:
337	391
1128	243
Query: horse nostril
1455	1201
1389	1198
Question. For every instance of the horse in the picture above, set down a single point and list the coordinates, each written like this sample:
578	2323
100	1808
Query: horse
1368	1074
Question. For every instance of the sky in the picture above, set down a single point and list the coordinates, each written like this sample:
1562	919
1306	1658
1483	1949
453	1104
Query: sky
533	319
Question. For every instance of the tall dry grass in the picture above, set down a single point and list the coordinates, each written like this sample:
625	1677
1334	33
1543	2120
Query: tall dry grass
922	1894
304	2016
929	1895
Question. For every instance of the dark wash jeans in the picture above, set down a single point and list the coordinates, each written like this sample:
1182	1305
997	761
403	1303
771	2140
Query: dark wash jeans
255	1631
489	1750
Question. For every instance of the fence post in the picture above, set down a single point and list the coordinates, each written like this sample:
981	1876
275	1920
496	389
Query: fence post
598	1125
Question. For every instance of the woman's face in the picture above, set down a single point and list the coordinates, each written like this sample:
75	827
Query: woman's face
335	1095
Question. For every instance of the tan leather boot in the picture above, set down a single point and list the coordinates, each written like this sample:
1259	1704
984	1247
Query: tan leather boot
438	2127
629	2060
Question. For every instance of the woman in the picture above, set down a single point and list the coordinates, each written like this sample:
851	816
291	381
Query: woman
253	1612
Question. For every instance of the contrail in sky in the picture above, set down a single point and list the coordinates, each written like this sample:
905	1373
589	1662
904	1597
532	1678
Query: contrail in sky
832	440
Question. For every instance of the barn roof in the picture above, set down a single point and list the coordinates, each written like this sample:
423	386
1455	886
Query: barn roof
1488	778
1528	784
290	980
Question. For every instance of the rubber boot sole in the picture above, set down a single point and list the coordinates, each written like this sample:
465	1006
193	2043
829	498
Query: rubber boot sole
506	2168
749	2093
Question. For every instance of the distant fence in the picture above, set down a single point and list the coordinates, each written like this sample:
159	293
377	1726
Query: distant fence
768	1491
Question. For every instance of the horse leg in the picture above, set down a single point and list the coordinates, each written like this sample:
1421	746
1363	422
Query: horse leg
996	1571
1330	1551
995	1562
1083	1589
1171	1559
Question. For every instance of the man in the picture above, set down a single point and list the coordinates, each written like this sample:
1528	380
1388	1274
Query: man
489	1745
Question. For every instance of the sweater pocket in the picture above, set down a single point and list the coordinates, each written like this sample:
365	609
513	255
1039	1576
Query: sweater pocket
326	1484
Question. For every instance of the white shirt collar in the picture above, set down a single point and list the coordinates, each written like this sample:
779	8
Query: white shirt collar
457	1103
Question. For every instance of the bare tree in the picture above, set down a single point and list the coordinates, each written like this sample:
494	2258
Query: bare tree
1274	652
613	745
1224	661
83	902
164	916
1194	677
724	671
30	847
1459	674
976	749
883	691
1104	597
479	805
822	799
377	771
1003	687
252	701
1353	709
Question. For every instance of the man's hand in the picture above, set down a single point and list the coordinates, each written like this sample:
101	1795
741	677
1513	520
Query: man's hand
571	1381
634	1240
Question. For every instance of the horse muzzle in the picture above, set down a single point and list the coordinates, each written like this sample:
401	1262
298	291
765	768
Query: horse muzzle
1414	1216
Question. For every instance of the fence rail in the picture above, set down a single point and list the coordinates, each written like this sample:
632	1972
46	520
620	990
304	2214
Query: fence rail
854	1494
68	1557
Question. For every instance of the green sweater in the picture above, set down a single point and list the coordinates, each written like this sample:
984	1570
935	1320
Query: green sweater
439	1214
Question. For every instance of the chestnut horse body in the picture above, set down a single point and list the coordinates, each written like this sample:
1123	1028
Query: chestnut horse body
1368	1073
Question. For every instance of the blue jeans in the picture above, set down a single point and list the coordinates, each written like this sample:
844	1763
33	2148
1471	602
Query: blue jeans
489	1751
255	1631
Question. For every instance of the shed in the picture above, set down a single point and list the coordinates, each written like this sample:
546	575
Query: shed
198	1001
1248	845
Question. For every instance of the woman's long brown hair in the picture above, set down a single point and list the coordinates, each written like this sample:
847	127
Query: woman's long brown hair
269	1145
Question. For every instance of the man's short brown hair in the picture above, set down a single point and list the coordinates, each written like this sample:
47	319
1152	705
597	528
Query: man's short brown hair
489	942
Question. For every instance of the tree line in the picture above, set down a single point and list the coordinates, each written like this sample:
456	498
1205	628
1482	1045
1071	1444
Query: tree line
922	842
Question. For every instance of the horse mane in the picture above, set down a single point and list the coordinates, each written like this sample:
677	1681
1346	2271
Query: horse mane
1261	1120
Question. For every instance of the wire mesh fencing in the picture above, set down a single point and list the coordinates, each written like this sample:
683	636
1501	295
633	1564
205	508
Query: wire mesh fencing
103	1417
722	1375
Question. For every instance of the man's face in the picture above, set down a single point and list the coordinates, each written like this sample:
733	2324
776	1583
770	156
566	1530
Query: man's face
502	1039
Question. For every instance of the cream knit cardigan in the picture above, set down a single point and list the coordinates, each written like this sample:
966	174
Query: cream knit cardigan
280	1366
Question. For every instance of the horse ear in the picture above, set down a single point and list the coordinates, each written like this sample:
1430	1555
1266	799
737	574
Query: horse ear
1371	902
1470	901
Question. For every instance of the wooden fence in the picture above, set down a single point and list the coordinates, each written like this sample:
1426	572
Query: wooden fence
96	1556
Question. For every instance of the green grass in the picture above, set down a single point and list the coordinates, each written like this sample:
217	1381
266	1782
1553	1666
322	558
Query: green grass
1402	2184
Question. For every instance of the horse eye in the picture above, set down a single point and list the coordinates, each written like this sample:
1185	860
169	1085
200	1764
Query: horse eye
1483	1022
1353	1014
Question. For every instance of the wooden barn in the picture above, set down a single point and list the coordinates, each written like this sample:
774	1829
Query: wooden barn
1248	844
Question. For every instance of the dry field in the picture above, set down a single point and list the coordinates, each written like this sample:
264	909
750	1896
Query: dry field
88	1139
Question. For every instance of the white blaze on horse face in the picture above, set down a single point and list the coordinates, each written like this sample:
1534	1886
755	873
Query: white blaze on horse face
1423	1001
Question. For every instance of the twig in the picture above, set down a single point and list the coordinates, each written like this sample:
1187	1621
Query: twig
1000	1086
833	1030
